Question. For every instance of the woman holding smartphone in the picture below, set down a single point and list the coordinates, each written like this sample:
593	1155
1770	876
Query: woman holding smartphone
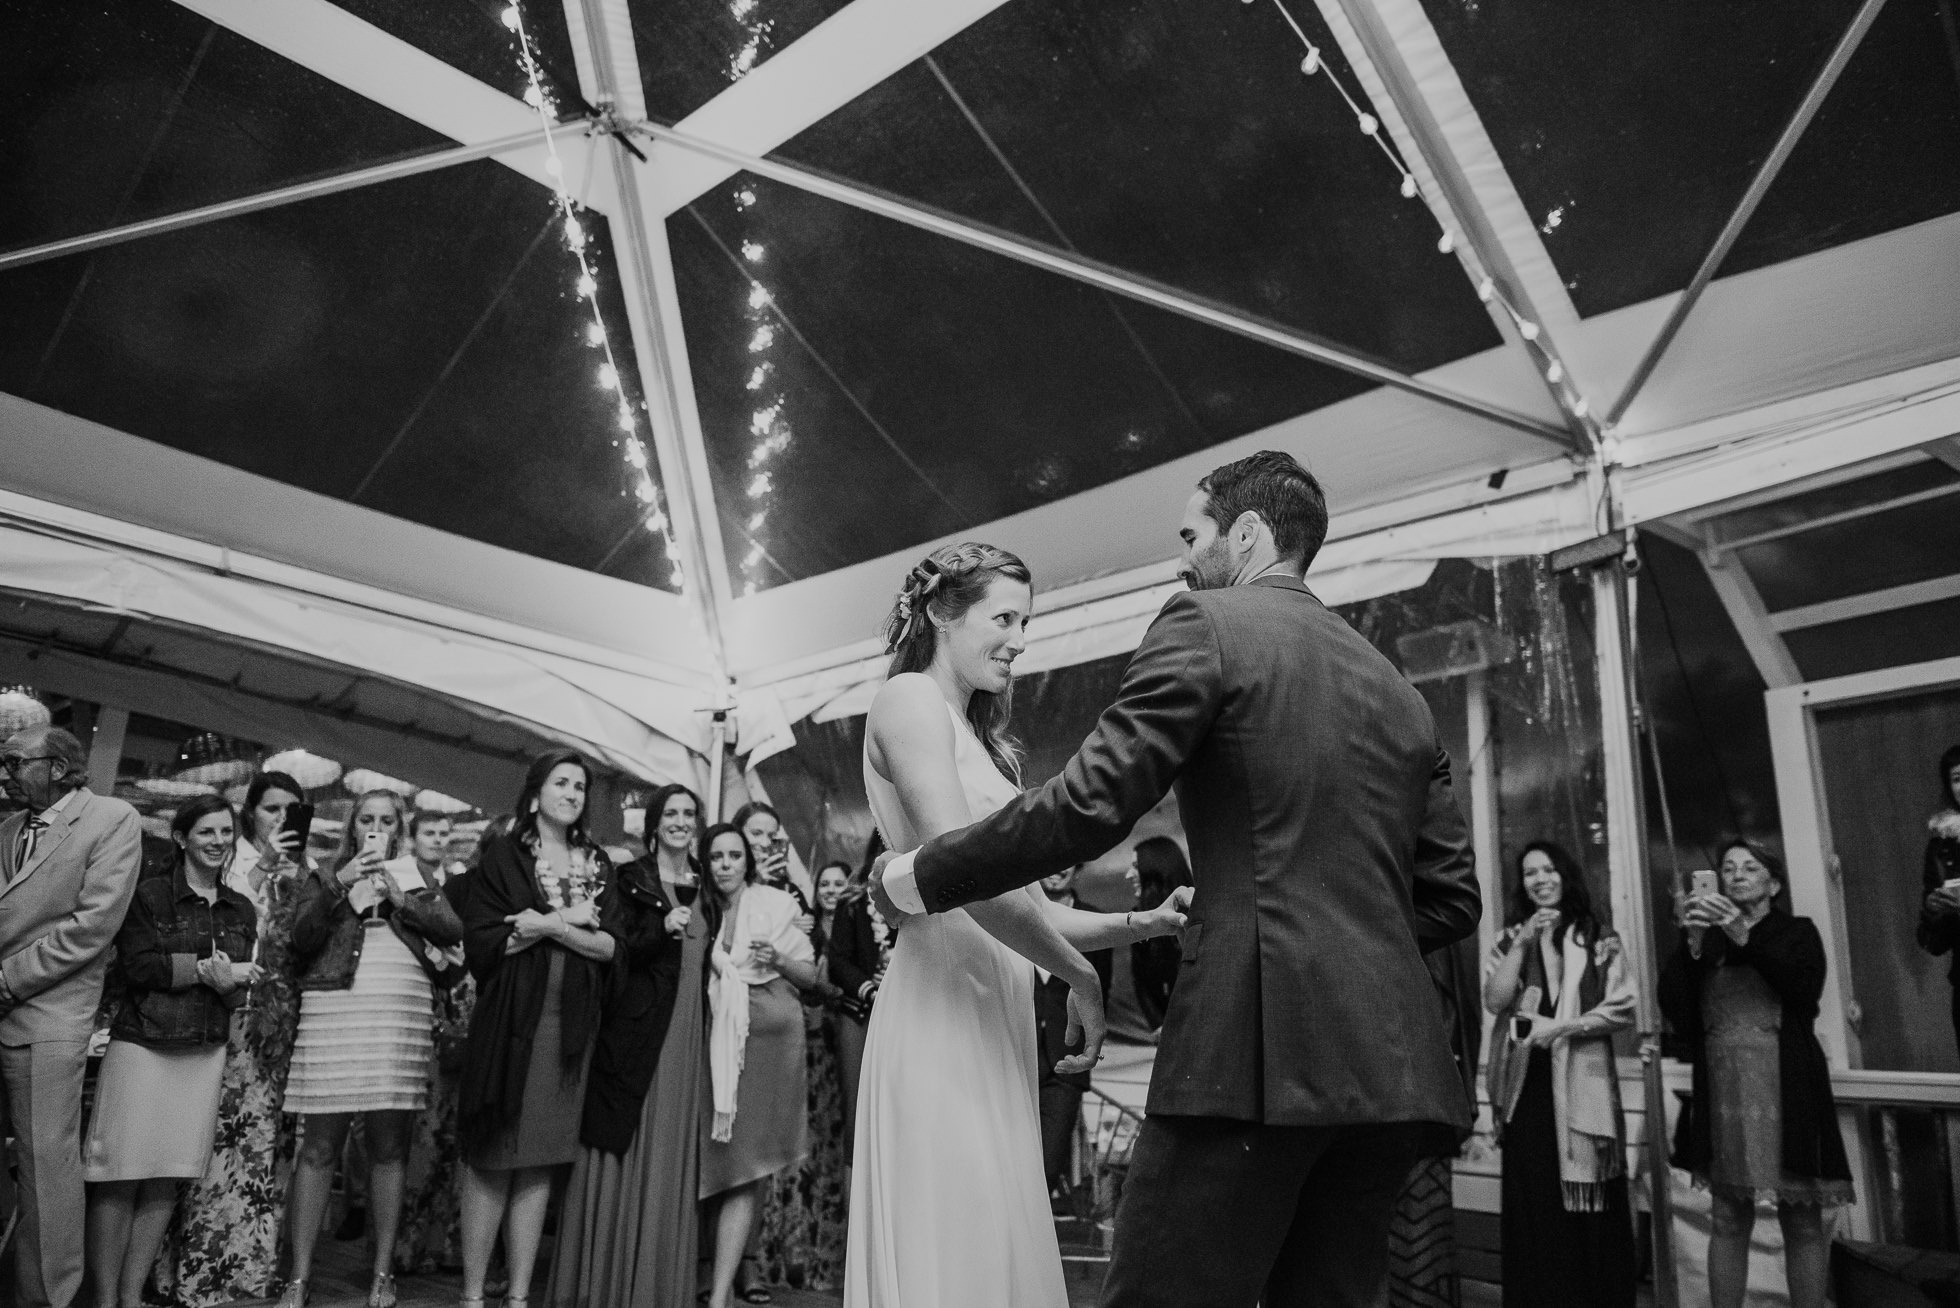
1559	987
224	1245
763	829
184	954
368	938
1742	989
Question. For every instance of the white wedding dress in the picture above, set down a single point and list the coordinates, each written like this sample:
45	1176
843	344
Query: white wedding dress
948	1205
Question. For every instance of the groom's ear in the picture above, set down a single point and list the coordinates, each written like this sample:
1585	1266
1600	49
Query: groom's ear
1246	529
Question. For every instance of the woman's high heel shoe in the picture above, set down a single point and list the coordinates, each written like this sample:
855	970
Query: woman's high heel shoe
382	1293
295	1295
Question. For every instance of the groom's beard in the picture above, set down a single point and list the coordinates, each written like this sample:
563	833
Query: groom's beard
1210	568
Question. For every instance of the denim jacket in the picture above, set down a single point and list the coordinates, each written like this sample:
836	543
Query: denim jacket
168	929
328	935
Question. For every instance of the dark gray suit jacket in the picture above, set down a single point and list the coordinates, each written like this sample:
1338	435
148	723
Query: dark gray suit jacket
1326	846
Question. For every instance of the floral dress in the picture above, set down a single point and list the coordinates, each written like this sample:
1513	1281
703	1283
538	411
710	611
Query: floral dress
429	1239
223	1241
807	1208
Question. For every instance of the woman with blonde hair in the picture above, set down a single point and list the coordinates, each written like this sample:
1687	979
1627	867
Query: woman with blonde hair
368	937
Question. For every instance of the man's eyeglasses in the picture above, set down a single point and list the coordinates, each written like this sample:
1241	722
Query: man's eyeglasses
13	763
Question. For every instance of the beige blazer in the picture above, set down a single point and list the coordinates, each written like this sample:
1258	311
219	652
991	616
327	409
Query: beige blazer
59	914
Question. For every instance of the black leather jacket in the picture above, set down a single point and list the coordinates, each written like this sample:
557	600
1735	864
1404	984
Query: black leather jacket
328	934
168	929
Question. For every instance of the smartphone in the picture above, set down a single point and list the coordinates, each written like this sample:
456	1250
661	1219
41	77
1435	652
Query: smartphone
1950	883
375	842
1704	882
299	821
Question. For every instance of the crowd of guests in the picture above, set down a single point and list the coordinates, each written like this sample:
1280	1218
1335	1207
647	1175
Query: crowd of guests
660	1053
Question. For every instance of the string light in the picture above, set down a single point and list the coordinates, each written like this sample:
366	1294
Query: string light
632	448
1314	64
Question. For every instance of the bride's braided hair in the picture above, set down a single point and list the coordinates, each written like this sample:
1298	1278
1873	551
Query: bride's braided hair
941	588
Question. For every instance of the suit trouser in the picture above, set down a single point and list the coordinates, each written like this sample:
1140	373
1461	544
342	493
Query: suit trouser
1061	1108
43	1102
1226	1214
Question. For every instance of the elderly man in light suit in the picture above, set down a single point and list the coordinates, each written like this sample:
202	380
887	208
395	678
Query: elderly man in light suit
68	866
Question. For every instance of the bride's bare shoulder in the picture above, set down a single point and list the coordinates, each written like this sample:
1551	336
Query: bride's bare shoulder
908	696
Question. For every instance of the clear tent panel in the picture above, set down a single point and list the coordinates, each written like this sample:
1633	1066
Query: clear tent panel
417	347
1893	638
865	386
116	113
1883	151
1181	143
1918	541
1631	130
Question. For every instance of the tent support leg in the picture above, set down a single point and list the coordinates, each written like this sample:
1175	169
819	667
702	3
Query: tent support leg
1615	653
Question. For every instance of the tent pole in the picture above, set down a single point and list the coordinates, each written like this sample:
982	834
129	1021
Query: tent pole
333	184
718	737
1615	655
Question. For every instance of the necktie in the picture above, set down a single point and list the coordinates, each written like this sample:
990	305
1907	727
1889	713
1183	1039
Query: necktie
30	832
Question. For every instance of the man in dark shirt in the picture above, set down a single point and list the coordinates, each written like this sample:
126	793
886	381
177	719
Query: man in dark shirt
1061	1096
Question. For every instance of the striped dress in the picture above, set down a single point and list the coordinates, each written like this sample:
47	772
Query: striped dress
366	1048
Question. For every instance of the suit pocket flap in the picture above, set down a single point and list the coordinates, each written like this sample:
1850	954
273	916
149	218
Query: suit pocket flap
1188	941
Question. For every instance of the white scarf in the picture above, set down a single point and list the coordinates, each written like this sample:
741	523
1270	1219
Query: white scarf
728	1004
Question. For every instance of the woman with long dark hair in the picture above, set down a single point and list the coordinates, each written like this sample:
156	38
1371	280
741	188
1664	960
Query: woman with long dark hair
629	1232
541	960
1939	914
368	938
1743	989
1559	987
754	1124
185	957
1160	868
224	1245
948	1202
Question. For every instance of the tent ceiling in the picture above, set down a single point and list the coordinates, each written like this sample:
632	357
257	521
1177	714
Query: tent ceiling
402	364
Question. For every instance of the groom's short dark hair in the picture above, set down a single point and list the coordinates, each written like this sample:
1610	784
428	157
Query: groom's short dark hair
1274	486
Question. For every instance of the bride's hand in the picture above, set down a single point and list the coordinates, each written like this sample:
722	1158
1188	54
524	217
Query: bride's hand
880	897
1085	1020
1168	918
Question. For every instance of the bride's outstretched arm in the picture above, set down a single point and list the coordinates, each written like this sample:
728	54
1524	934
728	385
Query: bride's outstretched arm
911	744
1091	931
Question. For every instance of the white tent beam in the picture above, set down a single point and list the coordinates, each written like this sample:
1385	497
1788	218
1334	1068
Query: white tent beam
1946	451
1745	209
1106	277
1385	41
840	59
1746	610
1868	604
331	41
659	336
333	184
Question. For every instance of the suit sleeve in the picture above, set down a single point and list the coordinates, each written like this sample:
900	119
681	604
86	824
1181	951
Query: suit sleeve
108	882
849	968
1448	902
1171	694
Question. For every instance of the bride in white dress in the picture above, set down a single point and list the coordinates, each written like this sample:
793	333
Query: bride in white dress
949	1208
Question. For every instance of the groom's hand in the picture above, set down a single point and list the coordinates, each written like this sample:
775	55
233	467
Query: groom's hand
880	897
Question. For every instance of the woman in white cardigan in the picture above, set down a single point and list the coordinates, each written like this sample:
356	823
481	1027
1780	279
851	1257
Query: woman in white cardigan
1559	987
755	1124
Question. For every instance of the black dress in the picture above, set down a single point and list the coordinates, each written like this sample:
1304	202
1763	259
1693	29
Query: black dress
1553	1258
1939	932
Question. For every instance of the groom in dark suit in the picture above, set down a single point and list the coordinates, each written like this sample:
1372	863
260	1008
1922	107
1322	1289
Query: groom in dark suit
1304	1046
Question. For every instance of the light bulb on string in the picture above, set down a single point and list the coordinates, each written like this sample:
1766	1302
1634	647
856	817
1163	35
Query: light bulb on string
533	96
1528	329
595	334
575	233
1446	242
1408	186
626	422
587	288
512	18
553	167
1580	407
608	377
1311	64
1555	372
1368	124
1486	289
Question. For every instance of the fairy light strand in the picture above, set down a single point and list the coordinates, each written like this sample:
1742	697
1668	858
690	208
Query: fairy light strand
1313	64
607	376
